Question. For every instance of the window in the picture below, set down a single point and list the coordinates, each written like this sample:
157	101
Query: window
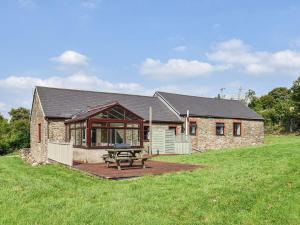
182	129
78	133
193	128
115	133
173	129
220	129
39	132
146	133
237	129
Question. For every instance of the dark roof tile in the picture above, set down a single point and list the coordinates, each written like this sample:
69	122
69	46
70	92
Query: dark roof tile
64	103
209	107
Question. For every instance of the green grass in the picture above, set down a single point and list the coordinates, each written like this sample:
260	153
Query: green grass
258	185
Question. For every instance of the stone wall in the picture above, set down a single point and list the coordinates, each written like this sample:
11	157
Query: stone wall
252	133
57	130
51	130
38	149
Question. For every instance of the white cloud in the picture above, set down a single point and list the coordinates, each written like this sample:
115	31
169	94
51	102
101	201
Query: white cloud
241	57
71	58
180	48
175	68
233	55
77	81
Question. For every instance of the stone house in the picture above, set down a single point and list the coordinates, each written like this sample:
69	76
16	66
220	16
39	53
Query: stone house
95	121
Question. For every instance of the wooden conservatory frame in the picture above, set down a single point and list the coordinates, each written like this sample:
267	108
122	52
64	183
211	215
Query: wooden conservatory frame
114	123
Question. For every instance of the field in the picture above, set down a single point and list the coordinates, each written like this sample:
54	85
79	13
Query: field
256	185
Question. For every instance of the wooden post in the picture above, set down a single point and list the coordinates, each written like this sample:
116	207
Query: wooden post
187	123
150	130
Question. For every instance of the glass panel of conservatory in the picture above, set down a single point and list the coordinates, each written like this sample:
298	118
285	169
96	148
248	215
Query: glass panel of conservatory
83	134
112	114
72	138
117	136
133	125
117	112
117	124
103	124
136	138
128	136
99	137
78	137
101	115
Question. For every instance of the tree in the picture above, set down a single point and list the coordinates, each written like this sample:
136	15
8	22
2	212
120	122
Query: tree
19	114
249	97
267	101
19	135
280	94
4	128
15	133
295	92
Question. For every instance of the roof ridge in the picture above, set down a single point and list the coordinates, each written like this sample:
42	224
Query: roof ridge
220	99
102	92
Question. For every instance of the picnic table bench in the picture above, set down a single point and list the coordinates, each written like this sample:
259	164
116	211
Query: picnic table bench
123	153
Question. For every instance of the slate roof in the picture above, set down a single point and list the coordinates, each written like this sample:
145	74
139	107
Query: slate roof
209	107
65	103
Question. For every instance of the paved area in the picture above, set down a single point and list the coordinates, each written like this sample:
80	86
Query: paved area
152	167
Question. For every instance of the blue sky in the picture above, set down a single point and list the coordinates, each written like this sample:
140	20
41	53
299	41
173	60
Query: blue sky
139	46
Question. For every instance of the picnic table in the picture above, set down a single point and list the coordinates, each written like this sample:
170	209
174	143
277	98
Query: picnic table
123	153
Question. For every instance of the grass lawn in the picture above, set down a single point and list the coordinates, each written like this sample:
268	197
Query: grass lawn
258	185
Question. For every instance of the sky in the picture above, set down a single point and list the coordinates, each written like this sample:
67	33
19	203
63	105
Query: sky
192	47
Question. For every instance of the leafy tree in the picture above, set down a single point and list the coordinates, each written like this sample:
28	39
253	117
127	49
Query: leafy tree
19	135
280	108
19	114
250	95
280	94
295	93
15	133
267	101
4	128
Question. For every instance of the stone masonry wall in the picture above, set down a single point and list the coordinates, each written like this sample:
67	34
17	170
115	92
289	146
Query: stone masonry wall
38	149
57	130
252	133
51	130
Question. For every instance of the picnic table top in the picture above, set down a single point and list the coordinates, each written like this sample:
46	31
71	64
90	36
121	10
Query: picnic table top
124	150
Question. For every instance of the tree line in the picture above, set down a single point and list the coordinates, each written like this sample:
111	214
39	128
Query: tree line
15	132
280	108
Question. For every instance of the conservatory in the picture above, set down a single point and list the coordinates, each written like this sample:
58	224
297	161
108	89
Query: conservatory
103	126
